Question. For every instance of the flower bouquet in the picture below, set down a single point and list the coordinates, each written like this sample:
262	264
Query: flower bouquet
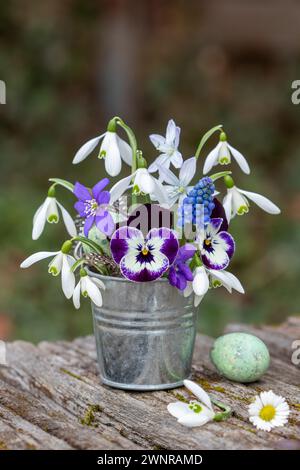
147	250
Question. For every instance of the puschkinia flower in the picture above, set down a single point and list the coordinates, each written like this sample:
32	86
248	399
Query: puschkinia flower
180	273
92	205
216	247
236	203
144	259
221	155
88	286
113	149
204	278
177	188
48	212
61	263
168	148
268	411
196	412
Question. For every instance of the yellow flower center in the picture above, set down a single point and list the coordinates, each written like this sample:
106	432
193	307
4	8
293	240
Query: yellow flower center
207	242
145	251
267	413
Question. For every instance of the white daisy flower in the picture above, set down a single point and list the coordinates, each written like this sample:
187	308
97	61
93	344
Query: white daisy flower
88	287
196	412
61	263
221	155
268	411
236	201
113	149
48	212
168	148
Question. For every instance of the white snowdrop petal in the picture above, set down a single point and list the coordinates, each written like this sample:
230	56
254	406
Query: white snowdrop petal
67	278
211	159
178	409
262	202
200	282
86	149
228	279
113	162
227	204
37	257
68	221
40	220
98	282
198	391
93	292
76	296
197	300
193	420
119	188
240	159
125	151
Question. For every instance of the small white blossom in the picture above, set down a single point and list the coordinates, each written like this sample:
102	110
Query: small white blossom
221	155
177	188
48	212
168	148
113	149
196	412
61	263
236	202
88	287
268	411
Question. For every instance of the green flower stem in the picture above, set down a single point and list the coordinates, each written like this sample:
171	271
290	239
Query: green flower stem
223	415
94	246
196	262
61	182
78	263
206	137
219	175
51	190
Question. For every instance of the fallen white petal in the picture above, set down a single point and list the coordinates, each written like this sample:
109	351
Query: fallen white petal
201	394
179	409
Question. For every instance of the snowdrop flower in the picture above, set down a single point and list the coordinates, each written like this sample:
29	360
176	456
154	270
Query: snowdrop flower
236	203
168	148
268	411
204	277
61	263
113	149
143	183
177	188
221	154
48	212
88	287
196	412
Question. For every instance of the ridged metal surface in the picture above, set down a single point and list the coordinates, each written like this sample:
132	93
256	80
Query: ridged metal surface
145	334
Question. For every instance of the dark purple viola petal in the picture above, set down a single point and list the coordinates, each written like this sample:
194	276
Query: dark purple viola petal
170	244
98	188
186	252
149	216
215	224
142	272
105	223
219	212
186	271
119	241
103	198
80	207
211	264
82	192
172	276
88	225
181	282
229	240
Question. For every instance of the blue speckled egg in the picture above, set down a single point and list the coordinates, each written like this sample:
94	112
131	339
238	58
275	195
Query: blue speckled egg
240	357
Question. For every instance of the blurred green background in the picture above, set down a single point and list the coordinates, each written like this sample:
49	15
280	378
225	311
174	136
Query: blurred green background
70	65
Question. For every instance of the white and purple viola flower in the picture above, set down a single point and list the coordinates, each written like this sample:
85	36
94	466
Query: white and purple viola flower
92	205
216	247
144	259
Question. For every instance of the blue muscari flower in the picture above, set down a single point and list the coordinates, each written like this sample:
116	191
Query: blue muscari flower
198	205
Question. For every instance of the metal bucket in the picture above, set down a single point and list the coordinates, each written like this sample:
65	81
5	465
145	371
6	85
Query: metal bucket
145	334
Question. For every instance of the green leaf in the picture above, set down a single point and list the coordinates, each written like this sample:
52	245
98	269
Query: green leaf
94	246
64	183
206	137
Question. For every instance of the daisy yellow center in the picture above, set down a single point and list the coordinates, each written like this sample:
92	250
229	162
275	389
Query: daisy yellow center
267	413
145	251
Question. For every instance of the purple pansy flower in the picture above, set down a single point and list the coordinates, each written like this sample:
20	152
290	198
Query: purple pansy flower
144	259
216	247
92	205
180	272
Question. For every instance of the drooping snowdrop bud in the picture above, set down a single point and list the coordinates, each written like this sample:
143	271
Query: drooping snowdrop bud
221	155
61	263
48	212
88	287
236	201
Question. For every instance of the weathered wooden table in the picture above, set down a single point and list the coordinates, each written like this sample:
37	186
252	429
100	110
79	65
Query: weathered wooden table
51	398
